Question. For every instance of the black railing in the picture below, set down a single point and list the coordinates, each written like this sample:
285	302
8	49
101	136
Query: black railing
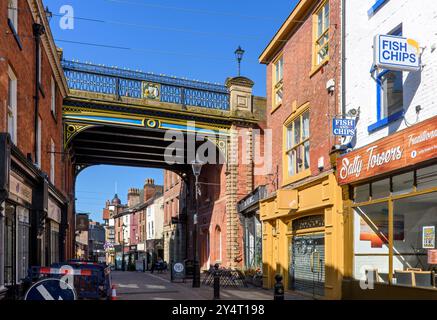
127	83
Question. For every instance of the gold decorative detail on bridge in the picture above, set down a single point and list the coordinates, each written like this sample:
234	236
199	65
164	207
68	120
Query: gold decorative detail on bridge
151	91
72	129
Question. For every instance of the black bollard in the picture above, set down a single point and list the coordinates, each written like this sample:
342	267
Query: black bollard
216	282
279	288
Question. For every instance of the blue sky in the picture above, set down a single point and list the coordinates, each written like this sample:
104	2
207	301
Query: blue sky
195	39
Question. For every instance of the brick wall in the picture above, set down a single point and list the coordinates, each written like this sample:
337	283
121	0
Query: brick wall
300	87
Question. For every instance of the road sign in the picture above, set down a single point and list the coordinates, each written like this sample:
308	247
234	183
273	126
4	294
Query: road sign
51	289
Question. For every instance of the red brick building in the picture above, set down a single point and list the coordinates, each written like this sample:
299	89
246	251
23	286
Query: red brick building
36	178
303	201
175	215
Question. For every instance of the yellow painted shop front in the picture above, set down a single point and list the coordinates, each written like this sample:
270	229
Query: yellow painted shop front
390	197
303	237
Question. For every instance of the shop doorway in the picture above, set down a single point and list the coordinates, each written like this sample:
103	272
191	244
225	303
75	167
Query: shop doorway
307	265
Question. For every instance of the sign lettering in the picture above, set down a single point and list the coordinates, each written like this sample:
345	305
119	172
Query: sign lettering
402	149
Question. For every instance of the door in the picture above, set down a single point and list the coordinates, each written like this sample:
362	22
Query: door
307	269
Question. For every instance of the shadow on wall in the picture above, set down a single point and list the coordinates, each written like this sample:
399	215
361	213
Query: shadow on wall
412	83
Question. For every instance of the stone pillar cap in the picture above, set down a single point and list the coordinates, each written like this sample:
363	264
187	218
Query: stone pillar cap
239	81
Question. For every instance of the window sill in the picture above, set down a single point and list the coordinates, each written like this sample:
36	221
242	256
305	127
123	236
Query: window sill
376	7
299	176
385	122
275	108
317	68
15	34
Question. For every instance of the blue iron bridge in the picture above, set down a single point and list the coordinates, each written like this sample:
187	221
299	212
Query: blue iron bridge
121	117
141	85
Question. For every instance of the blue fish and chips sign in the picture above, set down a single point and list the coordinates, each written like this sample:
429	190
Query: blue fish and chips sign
396	53
343	127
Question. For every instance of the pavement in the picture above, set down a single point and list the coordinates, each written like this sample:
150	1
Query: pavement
131	285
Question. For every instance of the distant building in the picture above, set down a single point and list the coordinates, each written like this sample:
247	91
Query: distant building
175	217
96	242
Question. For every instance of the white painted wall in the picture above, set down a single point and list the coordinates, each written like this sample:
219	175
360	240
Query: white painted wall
419	22
155	216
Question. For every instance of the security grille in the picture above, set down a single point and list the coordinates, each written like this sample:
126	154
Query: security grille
307	269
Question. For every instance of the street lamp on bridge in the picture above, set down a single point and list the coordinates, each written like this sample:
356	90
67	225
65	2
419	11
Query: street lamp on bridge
239	55
197	167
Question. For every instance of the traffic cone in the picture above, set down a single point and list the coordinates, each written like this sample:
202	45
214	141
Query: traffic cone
113	293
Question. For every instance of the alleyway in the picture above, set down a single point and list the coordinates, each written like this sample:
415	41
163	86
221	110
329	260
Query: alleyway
147	286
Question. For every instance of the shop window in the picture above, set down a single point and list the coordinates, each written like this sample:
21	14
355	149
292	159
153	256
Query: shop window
427	178
321	34
298	144
362	193
414	240
54	243
371	256
9	245
278	67
381	189
389	95
403	183
13	13
23	243
12	105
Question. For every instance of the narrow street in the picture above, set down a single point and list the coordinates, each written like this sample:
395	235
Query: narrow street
147	286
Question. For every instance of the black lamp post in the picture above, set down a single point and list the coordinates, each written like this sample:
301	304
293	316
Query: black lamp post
123	263
197	167
239	55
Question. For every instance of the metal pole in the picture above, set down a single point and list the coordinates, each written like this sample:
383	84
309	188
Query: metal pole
196	275
122	248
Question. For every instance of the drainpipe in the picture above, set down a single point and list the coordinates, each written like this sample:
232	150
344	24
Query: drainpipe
38	31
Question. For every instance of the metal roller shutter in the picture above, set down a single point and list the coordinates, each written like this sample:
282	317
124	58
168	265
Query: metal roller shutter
307	270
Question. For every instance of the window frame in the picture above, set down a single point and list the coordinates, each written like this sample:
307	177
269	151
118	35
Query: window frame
52	161
304	172
316	48
53	96
13	17
12	104
380	121
277	84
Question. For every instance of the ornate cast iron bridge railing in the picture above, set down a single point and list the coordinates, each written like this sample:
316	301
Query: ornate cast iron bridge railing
140	85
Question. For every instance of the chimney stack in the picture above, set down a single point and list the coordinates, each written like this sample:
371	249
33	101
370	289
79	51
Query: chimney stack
133	197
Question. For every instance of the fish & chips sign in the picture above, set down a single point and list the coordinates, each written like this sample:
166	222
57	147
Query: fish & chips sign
396	53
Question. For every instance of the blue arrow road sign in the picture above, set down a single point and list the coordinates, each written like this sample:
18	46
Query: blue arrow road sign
51	289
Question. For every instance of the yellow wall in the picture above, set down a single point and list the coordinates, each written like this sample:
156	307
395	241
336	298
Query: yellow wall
322	196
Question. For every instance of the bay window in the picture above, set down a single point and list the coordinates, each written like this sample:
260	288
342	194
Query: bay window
298	144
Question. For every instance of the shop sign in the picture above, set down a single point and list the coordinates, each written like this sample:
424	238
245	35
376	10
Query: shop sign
405	148
432	256
428	237
178	271
251	199
396	53
343	127
309	222
19	189
54	212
